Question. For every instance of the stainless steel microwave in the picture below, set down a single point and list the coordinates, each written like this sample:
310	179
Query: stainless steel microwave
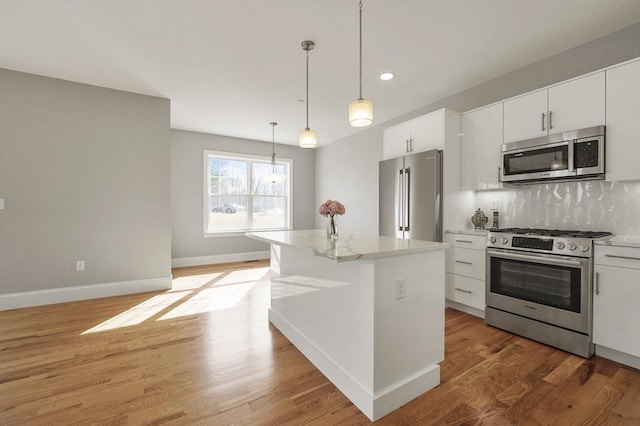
575	155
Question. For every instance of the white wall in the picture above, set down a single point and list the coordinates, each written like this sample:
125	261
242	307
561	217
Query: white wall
348	172
84	172
188	245
347	169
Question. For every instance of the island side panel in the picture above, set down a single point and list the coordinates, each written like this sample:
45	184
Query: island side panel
409	328
325	309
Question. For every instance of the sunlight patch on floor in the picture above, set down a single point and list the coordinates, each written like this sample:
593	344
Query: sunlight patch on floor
140	312
209	292
211	299
193	282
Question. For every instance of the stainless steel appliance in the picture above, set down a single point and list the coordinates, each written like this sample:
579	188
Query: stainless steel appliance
577	155
411	196
539	285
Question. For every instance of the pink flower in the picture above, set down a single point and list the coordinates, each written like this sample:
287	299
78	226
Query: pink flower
331	208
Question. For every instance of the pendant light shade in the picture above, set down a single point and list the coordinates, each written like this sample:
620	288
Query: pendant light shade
308	138
360	110
274	177
360	113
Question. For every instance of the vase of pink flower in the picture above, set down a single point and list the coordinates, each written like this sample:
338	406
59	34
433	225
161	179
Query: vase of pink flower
331	209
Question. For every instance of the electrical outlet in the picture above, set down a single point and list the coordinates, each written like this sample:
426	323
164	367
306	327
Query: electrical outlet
400	291
494	204
80	265
1	203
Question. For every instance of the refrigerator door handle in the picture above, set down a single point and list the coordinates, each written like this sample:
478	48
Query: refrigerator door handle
401	201
438	220
407	176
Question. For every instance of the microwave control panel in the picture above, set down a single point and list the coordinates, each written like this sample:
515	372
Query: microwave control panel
586	154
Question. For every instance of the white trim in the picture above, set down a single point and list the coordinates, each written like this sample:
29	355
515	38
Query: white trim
617	356
85	292
373	406
219	258
464	308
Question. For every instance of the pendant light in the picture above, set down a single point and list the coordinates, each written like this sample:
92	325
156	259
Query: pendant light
360	110
308	137
274	177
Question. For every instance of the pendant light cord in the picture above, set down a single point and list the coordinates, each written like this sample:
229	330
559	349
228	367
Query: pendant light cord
307	128
273	146
360	51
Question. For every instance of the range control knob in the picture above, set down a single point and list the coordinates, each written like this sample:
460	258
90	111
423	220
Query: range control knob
584	248
492	239
505	240
572	247
560	245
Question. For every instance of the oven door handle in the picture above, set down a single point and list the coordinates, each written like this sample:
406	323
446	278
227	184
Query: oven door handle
538	258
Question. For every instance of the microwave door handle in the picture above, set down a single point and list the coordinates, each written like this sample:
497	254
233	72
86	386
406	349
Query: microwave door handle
570	154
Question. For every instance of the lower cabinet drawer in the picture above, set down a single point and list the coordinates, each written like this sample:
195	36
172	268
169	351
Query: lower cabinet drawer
465	290
470	263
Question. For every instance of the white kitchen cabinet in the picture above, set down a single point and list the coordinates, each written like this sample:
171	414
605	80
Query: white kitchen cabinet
525	117
420	134
395	140
465	264
616	317
480	148
623	122
573	105
437	130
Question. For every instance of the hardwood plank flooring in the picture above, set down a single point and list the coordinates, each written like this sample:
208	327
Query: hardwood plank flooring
204	353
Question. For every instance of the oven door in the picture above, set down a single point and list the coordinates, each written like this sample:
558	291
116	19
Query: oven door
552	289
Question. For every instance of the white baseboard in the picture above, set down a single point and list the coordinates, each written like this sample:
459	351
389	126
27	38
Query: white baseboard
617	356
373	406
218	258
464	308
71	294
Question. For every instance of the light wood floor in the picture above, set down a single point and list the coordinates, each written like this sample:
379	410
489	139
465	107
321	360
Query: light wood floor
205	354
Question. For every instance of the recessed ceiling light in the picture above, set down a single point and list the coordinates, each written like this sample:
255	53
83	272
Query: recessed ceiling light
386	76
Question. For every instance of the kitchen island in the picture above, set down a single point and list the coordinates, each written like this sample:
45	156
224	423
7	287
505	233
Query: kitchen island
367	311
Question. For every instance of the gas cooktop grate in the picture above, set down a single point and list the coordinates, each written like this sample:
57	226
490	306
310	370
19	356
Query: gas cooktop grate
554	233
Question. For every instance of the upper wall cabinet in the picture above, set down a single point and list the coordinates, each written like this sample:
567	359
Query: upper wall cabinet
573	105
437	130
480	148
417	135
623	122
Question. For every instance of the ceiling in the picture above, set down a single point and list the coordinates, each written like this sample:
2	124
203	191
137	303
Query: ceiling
232	66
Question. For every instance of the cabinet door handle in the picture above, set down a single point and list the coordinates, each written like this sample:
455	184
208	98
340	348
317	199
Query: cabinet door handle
463	290
550	120
410	144
597	283
464	241
499	174
406	147
622	257
543	117
463	262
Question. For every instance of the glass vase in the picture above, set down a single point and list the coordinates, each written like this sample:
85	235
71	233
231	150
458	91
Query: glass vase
332	227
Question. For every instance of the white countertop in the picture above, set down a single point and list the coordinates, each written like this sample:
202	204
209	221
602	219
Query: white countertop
621	241
347	247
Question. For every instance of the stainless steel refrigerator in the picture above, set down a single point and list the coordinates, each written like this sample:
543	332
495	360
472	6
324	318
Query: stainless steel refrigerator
411	196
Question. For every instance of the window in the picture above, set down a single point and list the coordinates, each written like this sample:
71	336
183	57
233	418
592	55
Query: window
237	196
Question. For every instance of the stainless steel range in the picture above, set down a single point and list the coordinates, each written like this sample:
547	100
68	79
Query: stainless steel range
539	285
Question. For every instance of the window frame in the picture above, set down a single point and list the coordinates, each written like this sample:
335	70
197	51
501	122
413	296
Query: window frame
250	159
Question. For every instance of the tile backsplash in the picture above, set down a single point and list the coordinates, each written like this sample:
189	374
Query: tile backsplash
587	205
